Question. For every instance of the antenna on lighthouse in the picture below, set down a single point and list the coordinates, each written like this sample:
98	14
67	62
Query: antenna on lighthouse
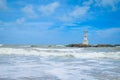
85	41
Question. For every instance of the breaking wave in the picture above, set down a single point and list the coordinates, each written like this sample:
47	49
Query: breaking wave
59	63
63	52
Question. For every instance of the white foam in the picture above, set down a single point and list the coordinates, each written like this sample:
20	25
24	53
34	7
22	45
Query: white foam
64	72
77	53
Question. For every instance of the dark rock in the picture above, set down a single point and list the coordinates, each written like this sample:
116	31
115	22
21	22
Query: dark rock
98	45
116	44
104	45
78	45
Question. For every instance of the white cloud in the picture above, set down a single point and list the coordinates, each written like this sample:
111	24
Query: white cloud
17	22
3	5
49	9
102	3
39	25
79	12
21	23
84	12
87	3
108	32
107	3
29	11
65	18
20	20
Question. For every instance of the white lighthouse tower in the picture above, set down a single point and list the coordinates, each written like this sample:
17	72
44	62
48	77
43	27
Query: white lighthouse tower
85	41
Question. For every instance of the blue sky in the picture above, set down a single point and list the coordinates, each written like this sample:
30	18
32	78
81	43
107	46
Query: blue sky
59	21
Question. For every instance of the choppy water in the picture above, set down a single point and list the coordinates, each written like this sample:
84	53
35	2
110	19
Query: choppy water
59	63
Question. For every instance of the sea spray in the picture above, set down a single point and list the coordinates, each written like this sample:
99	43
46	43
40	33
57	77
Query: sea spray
59	63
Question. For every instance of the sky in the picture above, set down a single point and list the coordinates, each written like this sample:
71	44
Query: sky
59	21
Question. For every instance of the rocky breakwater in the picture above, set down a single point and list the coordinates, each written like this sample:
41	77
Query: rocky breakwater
78	45
98	45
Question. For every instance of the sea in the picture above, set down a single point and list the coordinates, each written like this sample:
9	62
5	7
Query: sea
57	62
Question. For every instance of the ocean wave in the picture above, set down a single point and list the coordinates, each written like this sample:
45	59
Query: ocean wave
70	53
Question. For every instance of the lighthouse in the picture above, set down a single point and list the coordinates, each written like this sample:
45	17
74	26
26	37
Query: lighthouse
85	41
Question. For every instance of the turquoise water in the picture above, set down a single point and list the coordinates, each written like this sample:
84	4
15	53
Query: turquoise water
59	63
